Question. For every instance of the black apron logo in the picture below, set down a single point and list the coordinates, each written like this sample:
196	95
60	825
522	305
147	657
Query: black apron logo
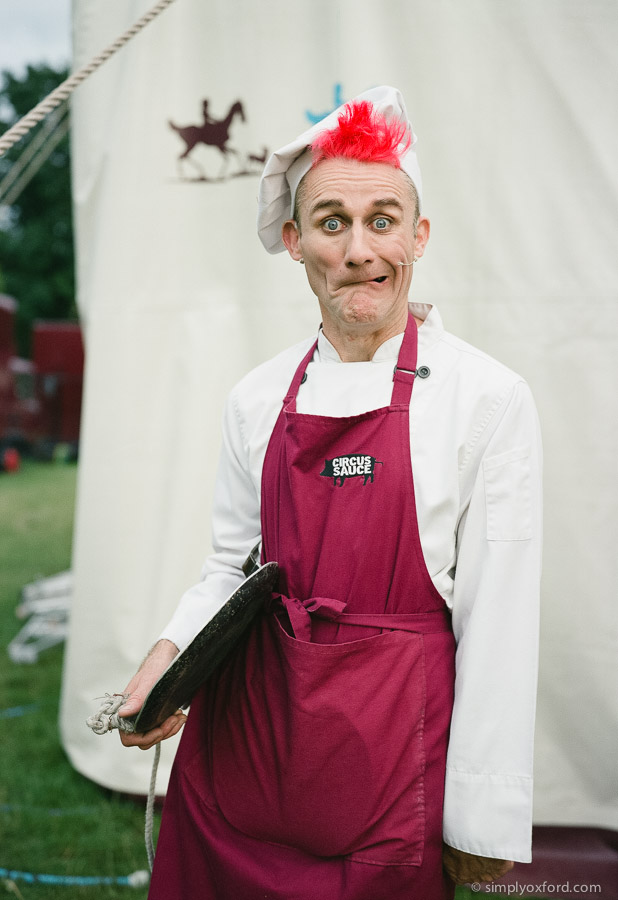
352	465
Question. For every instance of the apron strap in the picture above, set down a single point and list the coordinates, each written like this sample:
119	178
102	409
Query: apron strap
403	378
300	612
434	622
290	397
405	370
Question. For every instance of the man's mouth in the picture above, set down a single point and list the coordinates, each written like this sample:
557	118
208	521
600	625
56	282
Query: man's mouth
380	279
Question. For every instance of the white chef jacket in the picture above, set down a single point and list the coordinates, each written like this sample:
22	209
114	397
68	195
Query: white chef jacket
476	460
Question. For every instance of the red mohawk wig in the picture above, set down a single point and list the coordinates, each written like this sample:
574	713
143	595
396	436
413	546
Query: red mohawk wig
365	135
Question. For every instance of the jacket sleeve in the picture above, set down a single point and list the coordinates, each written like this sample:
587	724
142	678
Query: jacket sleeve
488	790
235	531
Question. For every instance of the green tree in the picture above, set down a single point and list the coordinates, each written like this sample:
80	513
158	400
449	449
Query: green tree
36	230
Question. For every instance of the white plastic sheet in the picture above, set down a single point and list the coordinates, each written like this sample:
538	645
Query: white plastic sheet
514	106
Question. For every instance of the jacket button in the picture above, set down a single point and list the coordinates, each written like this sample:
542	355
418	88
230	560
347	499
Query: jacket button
423	371
304	378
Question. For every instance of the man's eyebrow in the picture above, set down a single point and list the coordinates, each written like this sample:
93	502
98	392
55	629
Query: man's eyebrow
388	201
326	204
338	204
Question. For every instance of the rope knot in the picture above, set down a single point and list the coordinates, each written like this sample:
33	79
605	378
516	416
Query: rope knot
106	718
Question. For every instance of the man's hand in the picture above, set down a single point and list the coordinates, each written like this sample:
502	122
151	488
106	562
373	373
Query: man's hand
138	689
465	868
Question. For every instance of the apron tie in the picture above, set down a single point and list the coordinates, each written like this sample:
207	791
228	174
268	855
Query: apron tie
299	612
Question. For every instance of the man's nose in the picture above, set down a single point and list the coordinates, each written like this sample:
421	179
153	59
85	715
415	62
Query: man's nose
358	249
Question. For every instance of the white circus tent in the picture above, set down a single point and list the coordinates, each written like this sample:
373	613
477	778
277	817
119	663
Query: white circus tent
514	105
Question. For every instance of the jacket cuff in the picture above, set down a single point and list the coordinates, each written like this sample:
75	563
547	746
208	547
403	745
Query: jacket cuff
489	814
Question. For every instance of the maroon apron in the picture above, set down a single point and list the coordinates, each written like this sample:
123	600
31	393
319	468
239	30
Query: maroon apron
312	767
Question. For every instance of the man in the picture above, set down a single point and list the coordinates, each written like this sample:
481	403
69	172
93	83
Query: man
393	473
208	120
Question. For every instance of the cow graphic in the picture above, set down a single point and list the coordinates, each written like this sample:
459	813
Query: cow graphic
352	465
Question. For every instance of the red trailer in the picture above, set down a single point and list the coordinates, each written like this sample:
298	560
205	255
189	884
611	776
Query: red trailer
58	357
40	399
8	308
20	409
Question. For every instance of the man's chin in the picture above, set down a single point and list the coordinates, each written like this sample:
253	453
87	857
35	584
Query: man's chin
365	314
363	311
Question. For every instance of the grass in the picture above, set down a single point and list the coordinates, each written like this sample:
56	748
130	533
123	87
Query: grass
52	820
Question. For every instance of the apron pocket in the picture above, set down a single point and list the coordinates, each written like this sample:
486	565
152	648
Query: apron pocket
320	746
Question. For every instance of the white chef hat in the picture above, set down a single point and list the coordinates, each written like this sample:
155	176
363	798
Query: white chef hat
286	167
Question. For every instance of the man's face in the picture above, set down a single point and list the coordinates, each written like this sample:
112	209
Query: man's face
356	225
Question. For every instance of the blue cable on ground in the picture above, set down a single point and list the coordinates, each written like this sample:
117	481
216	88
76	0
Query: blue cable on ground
134	880
49	811
15	712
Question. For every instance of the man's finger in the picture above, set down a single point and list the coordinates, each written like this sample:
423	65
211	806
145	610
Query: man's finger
148	739
131	706
163	734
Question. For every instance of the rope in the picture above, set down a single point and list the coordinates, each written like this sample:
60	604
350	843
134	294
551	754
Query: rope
27	172
106	719
150	852
32	148
64	90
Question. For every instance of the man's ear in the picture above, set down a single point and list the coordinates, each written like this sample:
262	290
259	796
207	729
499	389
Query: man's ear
290	236
422	236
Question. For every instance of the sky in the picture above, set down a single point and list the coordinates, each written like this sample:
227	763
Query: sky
33	31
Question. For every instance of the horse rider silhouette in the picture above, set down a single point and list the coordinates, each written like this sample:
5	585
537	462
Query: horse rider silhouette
208	120
213	132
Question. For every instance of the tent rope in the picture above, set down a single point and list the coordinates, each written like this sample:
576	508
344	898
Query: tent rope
28	167
31	151
106	719
64	90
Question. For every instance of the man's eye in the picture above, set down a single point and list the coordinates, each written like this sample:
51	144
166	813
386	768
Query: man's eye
381	223
332	224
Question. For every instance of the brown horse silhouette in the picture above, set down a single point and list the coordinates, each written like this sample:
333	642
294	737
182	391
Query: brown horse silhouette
213	132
